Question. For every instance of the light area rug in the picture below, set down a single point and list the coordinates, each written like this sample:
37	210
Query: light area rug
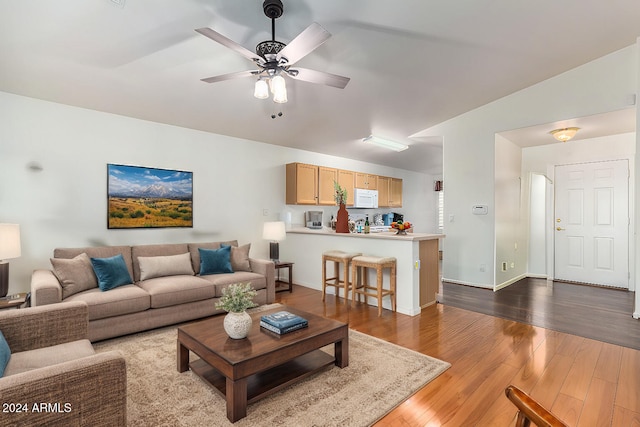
379	377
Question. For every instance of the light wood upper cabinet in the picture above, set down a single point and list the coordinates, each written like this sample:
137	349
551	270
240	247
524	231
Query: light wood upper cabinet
383	191
367	181
395	193
302	184
313	185
326	190
346	179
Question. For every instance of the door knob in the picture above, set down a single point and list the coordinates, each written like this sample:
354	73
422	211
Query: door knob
559	228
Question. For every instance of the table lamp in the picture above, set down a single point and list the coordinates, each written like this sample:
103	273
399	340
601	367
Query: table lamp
9	248
274	231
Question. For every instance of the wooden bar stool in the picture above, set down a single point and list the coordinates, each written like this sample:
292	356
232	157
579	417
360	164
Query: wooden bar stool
337	257
361	286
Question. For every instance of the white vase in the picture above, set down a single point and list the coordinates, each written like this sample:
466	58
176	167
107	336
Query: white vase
237	325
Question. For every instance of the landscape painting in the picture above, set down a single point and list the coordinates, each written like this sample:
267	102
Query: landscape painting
142	197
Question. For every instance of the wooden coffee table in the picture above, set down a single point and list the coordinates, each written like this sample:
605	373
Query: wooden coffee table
249	369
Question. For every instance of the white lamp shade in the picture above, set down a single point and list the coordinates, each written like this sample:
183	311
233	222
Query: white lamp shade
279	88
261	90
274	231
9	241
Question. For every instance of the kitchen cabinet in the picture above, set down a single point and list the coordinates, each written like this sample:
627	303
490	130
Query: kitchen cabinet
346	179
367	181
314	185
302	184
310	184
395	193
326	189
389	192
383	191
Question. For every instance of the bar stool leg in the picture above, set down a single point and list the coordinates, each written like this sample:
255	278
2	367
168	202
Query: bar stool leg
379	286
336	274
393	287
324	277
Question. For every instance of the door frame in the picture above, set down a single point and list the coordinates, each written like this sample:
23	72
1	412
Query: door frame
550	212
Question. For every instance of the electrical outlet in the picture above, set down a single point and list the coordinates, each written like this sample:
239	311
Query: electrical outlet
504	266
513	265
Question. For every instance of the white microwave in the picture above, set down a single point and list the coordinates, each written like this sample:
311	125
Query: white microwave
363	198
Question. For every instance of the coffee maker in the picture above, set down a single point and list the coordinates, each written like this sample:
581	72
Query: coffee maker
313	219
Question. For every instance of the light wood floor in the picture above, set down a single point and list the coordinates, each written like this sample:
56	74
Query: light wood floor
583	381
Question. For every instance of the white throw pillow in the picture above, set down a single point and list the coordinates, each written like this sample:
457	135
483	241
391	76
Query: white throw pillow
159	266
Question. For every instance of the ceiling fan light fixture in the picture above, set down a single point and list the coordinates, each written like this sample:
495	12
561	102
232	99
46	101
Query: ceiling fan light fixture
385	143
279	89
564	134
261	90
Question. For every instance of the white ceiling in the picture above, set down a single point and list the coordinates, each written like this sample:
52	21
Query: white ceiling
412	63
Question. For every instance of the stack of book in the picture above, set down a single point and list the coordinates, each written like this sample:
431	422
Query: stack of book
283	322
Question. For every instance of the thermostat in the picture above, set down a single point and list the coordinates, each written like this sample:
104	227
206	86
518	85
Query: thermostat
479	209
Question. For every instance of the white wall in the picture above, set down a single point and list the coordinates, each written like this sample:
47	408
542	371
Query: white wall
537	247
600	86
510	234
65	203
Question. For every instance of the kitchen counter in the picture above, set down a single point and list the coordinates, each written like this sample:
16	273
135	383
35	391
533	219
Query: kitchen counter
380	235
417	255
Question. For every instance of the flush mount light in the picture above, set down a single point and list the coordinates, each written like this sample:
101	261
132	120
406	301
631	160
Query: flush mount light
564	134
391	145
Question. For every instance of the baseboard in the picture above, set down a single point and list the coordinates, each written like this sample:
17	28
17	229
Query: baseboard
511	281
475	285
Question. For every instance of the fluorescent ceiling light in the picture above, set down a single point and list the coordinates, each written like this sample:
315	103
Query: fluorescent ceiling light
391	145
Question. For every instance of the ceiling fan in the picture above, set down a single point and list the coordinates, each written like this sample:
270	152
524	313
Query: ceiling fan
275	59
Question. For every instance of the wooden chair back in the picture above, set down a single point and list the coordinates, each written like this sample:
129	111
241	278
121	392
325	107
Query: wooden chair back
530	411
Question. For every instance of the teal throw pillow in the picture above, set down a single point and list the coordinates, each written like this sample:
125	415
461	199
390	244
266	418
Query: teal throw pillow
5	354
111	272
215	261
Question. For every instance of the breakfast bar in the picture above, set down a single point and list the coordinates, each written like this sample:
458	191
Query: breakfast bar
417	254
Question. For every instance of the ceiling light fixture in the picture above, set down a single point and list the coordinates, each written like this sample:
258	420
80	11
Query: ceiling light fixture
564	134
261	90
391	145
278	88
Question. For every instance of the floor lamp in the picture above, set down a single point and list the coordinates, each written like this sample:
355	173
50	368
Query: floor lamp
9	248
274	231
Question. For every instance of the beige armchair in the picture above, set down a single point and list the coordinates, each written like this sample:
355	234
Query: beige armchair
54	377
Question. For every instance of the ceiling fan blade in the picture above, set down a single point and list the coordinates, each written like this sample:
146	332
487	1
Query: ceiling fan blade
305	43
225	41
319	77
230	76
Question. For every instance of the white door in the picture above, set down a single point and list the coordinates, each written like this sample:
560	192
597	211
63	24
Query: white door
592	223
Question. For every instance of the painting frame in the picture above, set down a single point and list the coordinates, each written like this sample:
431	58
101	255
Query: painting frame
148	197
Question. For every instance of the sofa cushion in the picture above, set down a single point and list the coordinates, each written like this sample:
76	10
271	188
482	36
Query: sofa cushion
111	272
98	252
47	356
215	261
173	290
166	249
75	275
5	352
160	266
240	257
221	281
121	300
195	253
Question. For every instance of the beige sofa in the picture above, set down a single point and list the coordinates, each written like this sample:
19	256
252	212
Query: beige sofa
54	376
164	290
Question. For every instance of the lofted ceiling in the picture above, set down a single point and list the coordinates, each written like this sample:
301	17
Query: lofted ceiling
412	63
